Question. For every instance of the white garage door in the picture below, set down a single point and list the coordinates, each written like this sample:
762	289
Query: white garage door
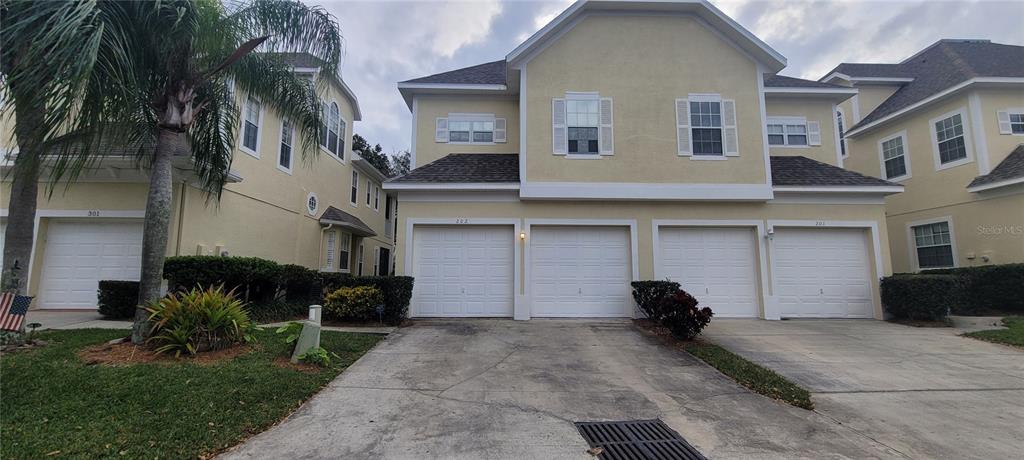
822	273
580	271
463	271
715	265
79	254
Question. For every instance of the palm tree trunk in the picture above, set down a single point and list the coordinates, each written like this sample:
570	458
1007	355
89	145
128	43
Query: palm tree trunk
21	223
156	228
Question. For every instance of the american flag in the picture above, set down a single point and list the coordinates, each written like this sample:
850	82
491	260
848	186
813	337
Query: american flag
12	311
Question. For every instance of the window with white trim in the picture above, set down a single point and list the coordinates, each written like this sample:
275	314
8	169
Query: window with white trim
341	138
934	245
331	129
376	261
949	137
354	196
706	127
582	118
332	238
1017	123
344	251
284	154
359	261
894	157
842	132
1011	121
368	186
376	198
470	132
251	125
789	133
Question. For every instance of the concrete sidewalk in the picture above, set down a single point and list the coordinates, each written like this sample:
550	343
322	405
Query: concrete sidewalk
73	319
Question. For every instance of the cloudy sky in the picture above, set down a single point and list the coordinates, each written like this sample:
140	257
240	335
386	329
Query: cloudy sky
390	41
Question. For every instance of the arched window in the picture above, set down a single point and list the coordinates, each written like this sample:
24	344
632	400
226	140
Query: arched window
323	124
333	124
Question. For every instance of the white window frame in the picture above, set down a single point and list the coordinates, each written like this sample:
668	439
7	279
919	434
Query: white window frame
330	250
376	261
345	252
342	126
902	135
369	186
583	96
842	123
359	263
259	127
470	118
1011	111
968	147
787	122
376	197
691	98
354	197
291	147
316	199
912	241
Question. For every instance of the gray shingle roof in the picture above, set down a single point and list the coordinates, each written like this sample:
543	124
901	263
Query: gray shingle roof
466	167
805	172
491	73
504	167
937	68
299	59
341	218
1012	167
782	81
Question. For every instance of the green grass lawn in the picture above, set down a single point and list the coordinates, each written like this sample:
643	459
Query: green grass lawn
1014	335
53	405
758	379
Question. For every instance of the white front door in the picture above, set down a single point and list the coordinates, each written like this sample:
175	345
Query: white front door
822	273
580	271
78	254
463	271
715	265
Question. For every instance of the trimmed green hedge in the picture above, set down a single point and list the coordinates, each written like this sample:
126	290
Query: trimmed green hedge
921	297
118	299
252	278
989	287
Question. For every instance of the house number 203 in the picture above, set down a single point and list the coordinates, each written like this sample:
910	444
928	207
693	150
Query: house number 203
461	220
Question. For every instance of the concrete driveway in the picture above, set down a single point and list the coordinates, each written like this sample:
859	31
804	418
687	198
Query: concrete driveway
502	389
924	392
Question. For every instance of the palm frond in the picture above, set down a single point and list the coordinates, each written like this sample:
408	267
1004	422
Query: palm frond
212	136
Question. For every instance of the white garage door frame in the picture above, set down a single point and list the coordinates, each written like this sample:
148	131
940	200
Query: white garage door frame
772	309
759	231
515	223
633	243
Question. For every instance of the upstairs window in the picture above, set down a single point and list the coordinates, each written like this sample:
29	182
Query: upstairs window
706	125
376	198
368	186
1011	121
791	134
1017	123
284	155
334	123
342	129
842	133
949	138
331	132
251	126
894	157
470	128
354	197
582	118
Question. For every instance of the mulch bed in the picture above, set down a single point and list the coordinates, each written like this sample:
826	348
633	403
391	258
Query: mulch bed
285	363
126	353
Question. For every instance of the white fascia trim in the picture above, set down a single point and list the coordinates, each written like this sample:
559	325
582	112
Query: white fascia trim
451	186
457	196
798	90
933	98
993	185
850	79
828	198
757	225
763	112
912	242
644	191
454	86
888	190
414	126
519	310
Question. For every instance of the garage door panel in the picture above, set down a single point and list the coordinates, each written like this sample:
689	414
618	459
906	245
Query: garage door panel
715	265
580	271
78	254
463	271
823	273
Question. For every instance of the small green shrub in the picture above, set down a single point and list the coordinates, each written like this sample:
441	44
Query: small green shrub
396	292
681	315
198	320
254	279
118	299
648	296
318	356
922	297
358	303
299	283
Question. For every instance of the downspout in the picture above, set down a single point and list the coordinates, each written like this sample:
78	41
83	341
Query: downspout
320	252
181	218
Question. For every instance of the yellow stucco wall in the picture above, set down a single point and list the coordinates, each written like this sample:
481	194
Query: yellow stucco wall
813	110
644	213
431	107
656	60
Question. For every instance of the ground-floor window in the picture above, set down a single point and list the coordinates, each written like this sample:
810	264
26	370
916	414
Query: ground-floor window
934	245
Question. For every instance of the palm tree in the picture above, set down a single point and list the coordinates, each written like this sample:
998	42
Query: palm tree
180	63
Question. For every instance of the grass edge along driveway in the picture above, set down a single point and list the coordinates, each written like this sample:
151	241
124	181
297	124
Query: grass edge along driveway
1013	335
56	406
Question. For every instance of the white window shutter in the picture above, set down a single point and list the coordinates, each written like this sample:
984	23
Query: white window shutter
1004	122
607	136
813	133
500	130
730	138
683	126
559	134
441	130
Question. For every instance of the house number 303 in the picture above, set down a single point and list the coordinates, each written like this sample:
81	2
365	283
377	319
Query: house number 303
461	220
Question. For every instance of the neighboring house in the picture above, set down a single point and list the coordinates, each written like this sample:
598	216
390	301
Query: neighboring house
329	214
628	141
948	124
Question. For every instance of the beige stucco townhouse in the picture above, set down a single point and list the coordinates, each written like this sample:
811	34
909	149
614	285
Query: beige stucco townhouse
628	141
329	214
948	124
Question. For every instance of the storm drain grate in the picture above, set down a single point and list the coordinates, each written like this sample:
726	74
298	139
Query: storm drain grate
637	440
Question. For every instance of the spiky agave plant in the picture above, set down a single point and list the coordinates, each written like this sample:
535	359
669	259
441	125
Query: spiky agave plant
198	320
